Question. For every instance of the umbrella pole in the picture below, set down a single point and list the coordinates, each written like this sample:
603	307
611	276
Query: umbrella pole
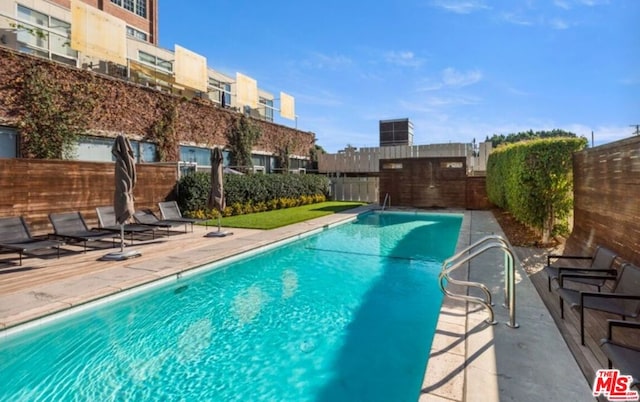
219	233
122	237
121	255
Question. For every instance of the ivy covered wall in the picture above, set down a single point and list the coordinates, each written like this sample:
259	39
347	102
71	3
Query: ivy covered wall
140	112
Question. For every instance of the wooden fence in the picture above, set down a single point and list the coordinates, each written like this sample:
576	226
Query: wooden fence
34	188
607	199
367	160
363	189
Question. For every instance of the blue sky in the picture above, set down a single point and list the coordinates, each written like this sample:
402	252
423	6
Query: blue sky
458	69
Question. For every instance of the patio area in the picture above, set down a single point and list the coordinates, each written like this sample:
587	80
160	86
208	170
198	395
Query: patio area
470	359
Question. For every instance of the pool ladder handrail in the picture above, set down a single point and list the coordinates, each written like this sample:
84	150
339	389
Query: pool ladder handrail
387	197
456	261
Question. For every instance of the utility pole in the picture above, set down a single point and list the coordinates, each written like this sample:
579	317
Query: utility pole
637	126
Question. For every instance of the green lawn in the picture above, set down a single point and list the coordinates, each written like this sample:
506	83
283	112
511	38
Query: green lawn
282	217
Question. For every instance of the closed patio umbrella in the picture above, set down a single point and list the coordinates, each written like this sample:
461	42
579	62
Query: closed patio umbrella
216	198
125	181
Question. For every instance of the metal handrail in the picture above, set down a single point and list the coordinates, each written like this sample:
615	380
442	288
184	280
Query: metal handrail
384	202
456	261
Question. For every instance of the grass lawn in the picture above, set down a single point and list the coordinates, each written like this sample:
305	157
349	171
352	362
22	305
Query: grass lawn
282	217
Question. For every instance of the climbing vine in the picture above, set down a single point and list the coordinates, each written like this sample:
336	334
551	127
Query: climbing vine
53	116
283	153
241	137
163	130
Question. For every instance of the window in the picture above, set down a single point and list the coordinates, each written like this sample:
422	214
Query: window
268	108
45	36
220	92
98	149
134	33
155	61
138	7
392	165
8	142
201	156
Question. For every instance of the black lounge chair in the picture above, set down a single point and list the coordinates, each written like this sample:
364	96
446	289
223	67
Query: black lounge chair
107	220
16	236
623	300
601	264
171	212
147	217
625	357
71	226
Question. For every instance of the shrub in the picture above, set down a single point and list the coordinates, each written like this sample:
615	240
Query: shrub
533	180
253	192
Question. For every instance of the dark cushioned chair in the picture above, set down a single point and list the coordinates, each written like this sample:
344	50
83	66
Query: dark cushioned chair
601	263
15	235
624	299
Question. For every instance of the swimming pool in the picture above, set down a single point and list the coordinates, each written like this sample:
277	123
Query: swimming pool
344	314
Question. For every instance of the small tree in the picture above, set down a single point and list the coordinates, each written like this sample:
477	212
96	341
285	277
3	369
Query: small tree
241	137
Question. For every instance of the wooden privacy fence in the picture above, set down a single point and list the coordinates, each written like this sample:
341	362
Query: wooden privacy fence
34	188
363	189
367	160
606	188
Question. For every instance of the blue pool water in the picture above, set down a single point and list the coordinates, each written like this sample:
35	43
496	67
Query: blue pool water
345	314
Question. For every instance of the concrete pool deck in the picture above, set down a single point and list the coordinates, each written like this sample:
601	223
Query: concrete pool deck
470	360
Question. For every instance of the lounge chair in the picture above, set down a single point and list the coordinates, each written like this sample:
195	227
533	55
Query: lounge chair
625	357
147	217
171	211
601	263
623	300
107	219
71	226
15	235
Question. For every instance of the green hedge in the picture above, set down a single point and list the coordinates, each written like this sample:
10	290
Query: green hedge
192	189
533	181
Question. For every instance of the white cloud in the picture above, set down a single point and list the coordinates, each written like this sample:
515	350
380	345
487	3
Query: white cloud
460	6
453	78
322	61
562	4
557	23
592	3
403	58
601	134
516	19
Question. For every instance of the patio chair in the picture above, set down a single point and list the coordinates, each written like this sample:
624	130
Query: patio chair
71	226
147	217
171	211
624	299
16	236
601	264
107	220
625	357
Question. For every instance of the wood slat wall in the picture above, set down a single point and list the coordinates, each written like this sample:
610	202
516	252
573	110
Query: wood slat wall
35	187
424	182
607	199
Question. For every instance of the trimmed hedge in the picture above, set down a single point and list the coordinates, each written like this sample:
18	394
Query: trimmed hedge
533	181
252	189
